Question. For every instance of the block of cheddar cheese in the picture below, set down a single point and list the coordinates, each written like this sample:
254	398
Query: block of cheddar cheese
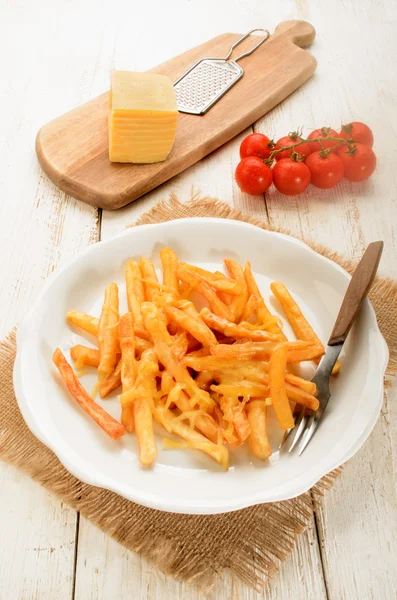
142	117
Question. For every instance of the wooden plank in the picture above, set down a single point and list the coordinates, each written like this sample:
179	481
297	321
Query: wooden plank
37	538
356	523
105	570
39	227
73	149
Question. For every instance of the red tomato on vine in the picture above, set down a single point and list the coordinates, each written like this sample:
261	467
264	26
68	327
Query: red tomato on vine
359	162
357	132
326	169
253	176
323	132
291	177
256	144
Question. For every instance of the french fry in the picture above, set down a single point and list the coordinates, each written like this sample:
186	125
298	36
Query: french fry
297	351
238	303
307	386
112	427
169	261
144	432
217	280
300	396
129	366
141	344
135	292
278	393
216	451
165	356
179	345
258	440
233	412
263	313
151	282
300	326
250	309
111	381
295	355
167	383
241	389
215	364
203	288
82	355
108	338
236	331
141	399
204	380
202	421
194	325
188	307
84	321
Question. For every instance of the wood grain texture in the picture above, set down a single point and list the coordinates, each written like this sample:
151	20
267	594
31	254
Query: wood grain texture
358	289
68	62
73	149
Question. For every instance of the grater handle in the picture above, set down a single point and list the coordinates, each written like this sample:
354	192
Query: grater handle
244	37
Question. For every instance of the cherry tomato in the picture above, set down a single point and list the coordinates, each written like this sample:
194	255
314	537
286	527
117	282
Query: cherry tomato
359	164
289	140
323	132
253	176
291	177
357	132
256	144
326	169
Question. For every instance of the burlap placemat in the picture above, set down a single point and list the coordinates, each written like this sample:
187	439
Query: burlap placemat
250	542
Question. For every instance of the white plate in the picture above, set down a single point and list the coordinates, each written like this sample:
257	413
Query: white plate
187	481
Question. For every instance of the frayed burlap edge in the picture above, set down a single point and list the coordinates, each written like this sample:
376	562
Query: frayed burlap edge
252	542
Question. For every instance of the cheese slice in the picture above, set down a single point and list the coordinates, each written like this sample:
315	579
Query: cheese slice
142	117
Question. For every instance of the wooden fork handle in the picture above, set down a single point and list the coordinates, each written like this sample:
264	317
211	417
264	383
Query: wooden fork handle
358	289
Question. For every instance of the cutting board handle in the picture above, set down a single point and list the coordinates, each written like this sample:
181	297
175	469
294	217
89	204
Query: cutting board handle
300	33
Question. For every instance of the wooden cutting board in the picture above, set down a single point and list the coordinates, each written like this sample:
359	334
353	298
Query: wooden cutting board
73	149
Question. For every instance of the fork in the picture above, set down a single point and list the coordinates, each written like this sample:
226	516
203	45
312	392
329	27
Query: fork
359	286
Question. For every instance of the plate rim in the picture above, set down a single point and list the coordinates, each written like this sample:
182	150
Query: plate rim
146	498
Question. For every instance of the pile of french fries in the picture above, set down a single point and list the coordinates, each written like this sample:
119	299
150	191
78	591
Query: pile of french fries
207	376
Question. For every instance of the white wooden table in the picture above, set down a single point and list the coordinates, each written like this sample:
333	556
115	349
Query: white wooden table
59	54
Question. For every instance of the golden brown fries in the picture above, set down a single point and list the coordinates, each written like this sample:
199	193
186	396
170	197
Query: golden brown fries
263	313
129	366
108	335
180	345
114	429
141	399
300	326
278	393
194	325
203	288
135	292
111	381
197	441
238	303
249	350
210	377
258	440
235	331
84	321
150	279
216	280
169	261
82	355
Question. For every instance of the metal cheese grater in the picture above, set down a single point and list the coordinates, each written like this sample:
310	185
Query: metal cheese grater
209	79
